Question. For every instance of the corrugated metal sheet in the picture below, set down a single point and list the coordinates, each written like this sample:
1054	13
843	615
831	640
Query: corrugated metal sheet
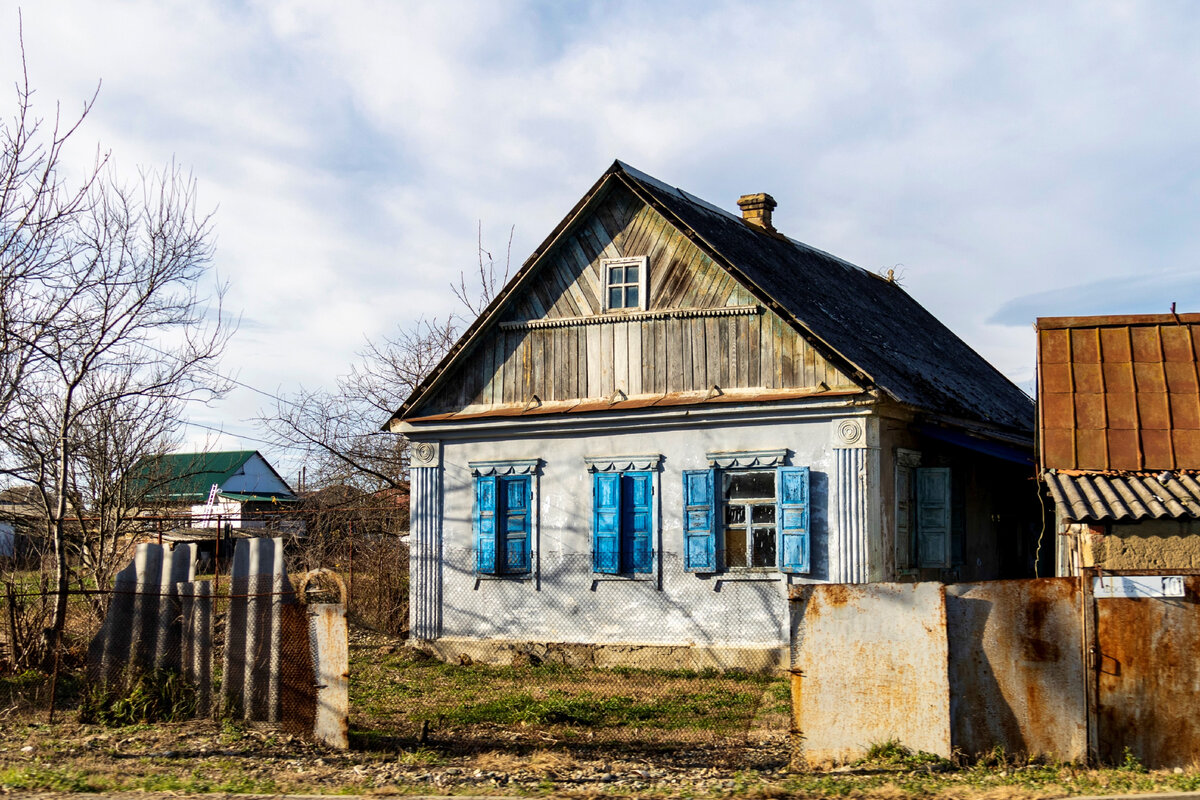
259	588
158	618
1119	393
1124	497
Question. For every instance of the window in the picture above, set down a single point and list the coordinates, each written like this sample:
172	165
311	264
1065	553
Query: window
763	519
502	524
625	283
924	535
622	522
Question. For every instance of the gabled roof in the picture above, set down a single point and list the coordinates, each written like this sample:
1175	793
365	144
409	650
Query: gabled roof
188	477
852	315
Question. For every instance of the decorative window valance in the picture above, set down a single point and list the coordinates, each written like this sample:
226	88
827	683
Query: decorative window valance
526	466
736	459
640	463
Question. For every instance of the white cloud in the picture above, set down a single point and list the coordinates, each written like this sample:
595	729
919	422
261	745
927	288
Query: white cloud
994	151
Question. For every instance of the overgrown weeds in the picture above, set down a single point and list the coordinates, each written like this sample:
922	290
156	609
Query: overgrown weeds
160	695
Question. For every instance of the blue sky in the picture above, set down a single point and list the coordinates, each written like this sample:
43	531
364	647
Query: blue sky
1009	160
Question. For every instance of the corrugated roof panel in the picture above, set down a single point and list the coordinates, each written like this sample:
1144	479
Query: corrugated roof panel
1124	497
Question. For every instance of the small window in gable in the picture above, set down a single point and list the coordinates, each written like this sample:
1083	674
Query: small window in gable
625	283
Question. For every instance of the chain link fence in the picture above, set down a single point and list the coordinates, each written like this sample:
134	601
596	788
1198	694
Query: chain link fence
551	689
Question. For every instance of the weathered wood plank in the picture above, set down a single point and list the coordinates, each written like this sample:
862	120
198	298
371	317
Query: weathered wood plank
787	377
769	360
575	272
565	276
607	379
621	356
713	354
636	356
697	295
675	355
753	350
592	343
690	350
633	239
683	274
740	351
724	350
660	266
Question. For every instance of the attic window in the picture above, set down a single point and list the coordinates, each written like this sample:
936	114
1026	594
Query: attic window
625	283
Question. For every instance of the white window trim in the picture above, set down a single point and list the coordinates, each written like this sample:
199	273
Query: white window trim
643	283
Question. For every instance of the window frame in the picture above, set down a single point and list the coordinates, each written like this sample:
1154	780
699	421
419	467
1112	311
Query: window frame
704	526
643	265
748	525
498	475
625	543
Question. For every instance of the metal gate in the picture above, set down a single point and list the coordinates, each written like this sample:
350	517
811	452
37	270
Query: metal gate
1143	653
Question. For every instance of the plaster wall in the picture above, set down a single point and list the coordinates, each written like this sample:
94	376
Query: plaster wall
1152	544
563	601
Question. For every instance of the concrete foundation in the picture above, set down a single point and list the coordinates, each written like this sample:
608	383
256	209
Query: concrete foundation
641	656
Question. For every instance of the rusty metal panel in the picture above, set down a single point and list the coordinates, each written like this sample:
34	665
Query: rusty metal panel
1148	677
869	664
1119	393
1017	677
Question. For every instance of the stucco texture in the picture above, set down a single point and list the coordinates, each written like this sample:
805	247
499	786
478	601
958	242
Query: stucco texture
1153	544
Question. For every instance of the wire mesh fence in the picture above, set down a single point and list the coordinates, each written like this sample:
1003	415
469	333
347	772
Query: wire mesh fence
551	689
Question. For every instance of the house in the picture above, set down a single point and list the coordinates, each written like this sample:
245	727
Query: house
1119	427
236	489
670	414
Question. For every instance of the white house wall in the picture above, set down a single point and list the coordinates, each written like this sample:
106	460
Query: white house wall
563	601
255	476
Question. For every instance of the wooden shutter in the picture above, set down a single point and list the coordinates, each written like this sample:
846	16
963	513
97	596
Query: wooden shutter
933	517
699	513
637	528
516	524
606	522
485	524
792	517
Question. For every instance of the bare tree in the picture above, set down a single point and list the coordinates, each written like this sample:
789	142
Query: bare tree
106	331
337	433
491	280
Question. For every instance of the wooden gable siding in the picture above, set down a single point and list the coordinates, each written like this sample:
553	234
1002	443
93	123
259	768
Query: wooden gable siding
546	345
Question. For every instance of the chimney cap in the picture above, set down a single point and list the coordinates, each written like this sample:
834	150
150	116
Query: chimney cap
757	208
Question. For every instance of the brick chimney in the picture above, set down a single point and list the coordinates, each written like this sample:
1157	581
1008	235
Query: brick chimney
757	208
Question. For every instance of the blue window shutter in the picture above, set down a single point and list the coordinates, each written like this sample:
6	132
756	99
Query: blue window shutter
792	517
516	524
637	527
933	517
699	513
485	524
606	522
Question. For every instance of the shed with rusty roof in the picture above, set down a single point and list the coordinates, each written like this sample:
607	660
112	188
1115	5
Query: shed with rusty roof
1119	432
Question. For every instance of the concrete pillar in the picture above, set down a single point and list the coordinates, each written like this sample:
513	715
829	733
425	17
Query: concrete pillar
425	541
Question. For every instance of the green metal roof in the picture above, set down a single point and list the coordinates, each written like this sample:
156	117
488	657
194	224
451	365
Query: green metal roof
189	476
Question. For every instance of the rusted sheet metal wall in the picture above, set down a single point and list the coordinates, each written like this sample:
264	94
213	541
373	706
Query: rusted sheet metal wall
1148	677
1016	667
869	663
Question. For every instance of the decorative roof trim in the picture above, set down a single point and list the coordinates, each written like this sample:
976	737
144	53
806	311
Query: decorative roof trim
640	463
526	466
625	316
731	459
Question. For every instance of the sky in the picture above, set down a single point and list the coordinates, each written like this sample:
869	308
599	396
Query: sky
1008	160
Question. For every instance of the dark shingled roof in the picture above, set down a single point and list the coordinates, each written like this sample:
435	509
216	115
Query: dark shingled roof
860	317
870	321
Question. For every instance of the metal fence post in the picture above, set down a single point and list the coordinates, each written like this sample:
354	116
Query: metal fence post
350	582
